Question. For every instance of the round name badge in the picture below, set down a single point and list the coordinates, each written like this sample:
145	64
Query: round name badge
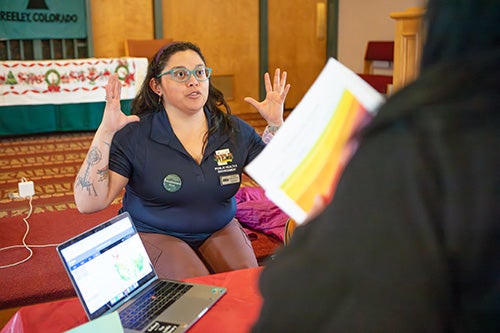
172	183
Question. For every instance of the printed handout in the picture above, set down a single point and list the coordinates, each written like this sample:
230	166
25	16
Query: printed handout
308	153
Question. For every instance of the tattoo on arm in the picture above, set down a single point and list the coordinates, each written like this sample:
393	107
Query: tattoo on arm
103	173
93	157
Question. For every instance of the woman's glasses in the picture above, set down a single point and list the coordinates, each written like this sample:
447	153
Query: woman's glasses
182	74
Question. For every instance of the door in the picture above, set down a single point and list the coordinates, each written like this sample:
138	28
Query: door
297	31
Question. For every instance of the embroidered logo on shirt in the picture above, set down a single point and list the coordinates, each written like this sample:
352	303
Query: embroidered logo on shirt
223	156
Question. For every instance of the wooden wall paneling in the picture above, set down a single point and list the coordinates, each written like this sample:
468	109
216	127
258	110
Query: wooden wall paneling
139	19
227	33
297	42
113	21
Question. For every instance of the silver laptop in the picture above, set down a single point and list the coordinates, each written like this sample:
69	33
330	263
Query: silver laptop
111	271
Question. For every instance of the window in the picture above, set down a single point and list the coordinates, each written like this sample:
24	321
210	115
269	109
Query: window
38	49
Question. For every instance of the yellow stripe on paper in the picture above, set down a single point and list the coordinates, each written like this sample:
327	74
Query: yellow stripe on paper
321	167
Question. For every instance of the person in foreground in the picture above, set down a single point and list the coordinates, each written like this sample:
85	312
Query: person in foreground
180	157
411	239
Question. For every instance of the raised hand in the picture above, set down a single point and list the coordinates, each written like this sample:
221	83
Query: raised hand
271	108
114	119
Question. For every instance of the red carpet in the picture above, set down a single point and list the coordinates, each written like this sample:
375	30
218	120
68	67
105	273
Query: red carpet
42	277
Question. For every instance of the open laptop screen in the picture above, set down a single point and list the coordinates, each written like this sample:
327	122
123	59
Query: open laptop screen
106	264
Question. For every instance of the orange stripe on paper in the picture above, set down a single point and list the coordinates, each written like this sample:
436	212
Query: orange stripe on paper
317	174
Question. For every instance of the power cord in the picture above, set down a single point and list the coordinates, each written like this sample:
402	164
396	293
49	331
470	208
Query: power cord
28	247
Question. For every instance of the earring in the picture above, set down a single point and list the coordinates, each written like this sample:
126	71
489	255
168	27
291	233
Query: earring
159	99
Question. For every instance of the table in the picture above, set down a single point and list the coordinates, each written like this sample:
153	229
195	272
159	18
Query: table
235	312
62	95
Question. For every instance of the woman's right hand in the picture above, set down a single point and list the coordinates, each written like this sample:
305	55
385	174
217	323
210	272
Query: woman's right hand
95	185
114	119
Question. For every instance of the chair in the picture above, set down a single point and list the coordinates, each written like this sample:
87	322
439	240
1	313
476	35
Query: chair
378	51
146	48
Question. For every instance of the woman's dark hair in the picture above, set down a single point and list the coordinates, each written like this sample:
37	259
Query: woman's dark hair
147	101
459	28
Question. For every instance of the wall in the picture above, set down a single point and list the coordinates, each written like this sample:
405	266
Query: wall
113	21
228	35
364	20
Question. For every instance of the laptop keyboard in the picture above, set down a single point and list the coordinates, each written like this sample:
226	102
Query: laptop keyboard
140	313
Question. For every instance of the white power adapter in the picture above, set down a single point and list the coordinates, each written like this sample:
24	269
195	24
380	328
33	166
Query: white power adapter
26	189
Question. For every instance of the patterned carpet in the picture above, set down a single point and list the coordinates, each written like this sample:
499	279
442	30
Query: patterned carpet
51	161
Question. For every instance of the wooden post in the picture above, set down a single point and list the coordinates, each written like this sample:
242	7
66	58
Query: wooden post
407	45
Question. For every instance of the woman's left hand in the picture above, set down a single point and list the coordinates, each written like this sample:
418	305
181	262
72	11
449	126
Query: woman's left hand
271	108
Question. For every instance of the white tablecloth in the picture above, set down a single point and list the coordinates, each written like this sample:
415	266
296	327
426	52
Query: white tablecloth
67	81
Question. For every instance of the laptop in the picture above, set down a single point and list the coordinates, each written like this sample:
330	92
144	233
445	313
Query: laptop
111	271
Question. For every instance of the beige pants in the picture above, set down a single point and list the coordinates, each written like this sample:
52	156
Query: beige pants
225	250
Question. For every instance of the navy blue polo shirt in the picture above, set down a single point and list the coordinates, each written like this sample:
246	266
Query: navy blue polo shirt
167	191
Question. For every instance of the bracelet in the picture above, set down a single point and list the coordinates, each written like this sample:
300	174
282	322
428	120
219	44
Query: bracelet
269	132
273	129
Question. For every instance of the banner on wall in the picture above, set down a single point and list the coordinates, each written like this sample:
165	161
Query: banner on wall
67	81
42	19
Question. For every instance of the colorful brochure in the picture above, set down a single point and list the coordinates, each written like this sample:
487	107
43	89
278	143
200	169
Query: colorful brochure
308	153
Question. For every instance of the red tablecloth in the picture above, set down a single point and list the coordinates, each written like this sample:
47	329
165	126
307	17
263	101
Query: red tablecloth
235	312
